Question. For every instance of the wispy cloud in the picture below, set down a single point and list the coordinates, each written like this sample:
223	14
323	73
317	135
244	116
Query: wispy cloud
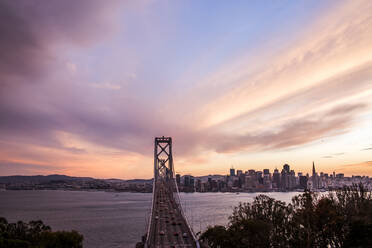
295	132
334	155
313	60
338	154
16	168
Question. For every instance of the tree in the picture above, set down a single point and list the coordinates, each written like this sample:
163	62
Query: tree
339	219
216	236
35	234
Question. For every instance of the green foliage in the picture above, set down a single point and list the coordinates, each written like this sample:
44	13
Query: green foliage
339	219
35	234
217	236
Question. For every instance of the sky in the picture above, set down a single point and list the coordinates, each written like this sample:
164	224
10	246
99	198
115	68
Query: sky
85	86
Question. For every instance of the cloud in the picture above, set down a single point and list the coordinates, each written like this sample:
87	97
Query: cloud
340	90
20	48
30	31
338	154
16	168
294	133
342	45
333	155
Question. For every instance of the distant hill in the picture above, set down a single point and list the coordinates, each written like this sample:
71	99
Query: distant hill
63	182
49	178
41	179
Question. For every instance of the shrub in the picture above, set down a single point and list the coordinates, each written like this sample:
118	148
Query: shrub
338	219
35	234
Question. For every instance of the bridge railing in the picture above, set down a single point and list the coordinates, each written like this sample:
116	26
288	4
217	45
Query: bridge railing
177	198
151	214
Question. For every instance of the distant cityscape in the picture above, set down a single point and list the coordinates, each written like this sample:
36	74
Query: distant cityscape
236	181
265	181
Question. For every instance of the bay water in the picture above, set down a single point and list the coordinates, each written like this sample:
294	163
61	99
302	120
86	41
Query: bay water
109	219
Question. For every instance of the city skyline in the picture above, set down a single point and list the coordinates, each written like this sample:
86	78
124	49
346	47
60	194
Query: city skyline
284	180
86	86
244	169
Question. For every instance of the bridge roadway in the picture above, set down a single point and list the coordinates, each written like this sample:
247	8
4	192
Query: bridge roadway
168	226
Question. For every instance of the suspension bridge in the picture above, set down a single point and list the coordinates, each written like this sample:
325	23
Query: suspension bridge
168	225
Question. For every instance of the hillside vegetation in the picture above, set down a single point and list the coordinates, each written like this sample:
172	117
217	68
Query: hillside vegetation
338	219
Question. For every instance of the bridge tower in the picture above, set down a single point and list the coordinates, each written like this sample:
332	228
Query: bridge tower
163	159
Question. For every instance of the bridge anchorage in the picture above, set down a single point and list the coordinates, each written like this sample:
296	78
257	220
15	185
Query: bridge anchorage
168	225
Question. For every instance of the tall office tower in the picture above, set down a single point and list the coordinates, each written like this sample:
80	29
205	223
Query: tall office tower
314	178
303	182
178	179
232	172
276	179
259	177
286	168
192	183
292	179
186	179
284	179
314	172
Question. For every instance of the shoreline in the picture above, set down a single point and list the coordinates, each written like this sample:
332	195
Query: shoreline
116	191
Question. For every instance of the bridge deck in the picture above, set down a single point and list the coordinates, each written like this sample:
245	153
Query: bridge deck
168	226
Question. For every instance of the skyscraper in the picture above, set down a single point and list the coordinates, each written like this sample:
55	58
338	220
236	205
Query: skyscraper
186	179
314	172
314	178
276	178
303	181
286	168
178	179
